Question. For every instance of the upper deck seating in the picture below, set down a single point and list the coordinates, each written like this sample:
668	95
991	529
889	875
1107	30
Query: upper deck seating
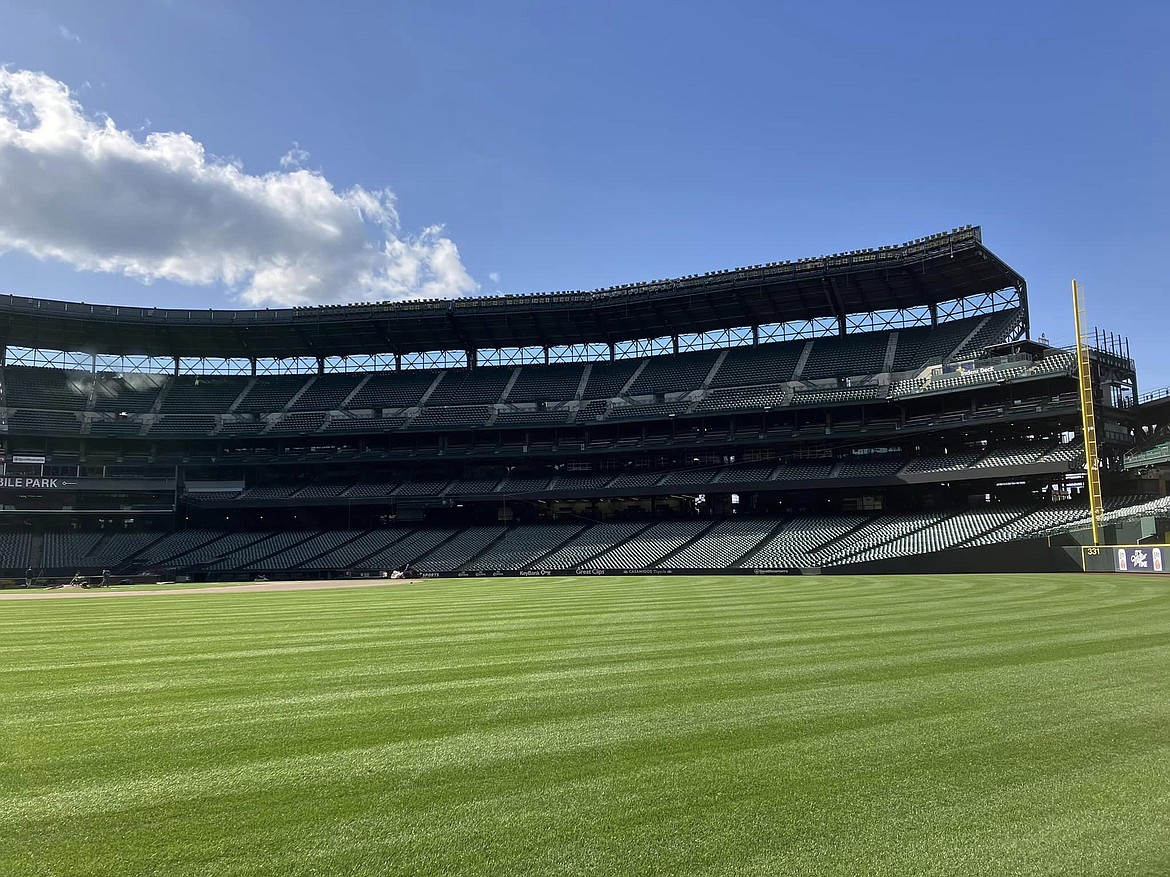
202	394
46	388
759	364
547	383
920	346
834	357
132	393
400	389
327	392
480	386
272	392
674	373
606	379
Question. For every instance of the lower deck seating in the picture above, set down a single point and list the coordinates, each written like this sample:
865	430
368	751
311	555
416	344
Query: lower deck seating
650	546
801	542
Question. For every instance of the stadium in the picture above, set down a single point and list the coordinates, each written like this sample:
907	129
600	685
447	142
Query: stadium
882	410
685	576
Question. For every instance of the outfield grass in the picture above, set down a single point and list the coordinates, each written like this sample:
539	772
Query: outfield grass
918	725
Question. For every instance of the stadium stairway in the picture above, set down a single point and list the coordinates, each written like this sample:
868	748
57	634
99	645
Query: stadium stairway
664	561
36	551
532	564
768	537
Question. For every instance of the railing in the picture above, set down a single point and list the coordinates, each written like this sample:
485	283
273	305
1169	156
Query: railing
1154	395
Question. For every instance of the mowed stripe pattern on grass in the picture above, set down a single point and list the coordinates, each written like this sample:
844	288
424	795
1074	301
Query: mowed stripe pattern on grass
706	725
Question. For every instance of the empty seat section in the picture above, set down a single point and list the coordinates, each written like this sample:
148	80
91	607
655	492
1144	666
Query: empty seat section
46	388
421	487
742	399
836	357
648	547
462	549
345	424
761	364
178	425
401	389
870	466
174	545
746	473
301	555
299	422
606	379
116	549
271	393
349	555
999	327
653	409
587	544
473	486
920	346
14	553
113	425
454	417
327	392
532	418
579	484
202	394
592	411
477	386
795	545
132	393
405	551
547	383
246	555
721	546
674	372
43	421
206	555
833	395
636	479
522	546
67	551
951	462
873	541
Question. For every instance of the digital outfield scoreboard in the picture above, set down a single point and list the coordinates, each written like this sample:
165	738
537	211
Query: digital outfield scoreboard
1153	559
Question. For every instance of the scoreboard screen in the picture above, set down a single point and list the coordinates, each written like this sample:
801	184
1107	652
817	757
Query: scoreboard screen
1153	559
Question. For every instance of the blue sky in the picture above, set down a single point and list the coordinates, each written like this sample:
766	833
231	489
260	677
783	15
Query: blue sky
558	146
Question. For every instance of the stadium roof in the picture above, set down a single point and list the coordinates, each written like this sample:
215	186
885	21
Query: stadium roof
943	267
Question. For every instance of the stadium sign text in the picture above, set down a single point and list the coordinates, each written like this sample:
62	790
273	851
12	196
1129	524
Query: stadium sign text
31	483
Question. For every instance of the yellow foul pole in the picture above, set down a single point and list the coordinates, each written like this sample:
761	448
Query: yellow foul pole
1088	420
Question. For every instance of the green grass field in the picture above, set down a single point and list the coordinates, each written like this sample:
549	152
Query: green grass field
722	725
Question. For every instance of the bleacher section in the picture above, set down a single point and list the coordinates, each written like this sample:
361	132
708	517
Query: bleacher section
650	546
271	393
763	364
188	394
749	378
46	389
327	392
606	379
800	542
846	357
482	386
131	393
673	373
925	345
546	383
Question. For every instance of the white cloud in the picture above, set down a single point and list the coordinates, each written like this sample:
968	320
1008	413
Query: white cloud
295	157
82	191
494	277
68	35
